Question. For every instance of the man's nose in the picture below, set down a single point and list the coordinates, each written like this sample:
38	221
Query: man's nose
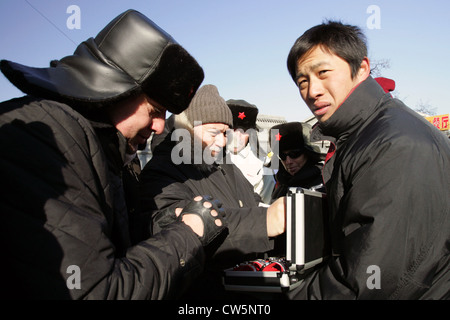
158	125
221	140
315	88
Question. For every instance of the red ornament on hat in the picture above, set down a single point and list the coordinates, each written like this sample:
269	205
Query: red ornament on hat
241	115
278	136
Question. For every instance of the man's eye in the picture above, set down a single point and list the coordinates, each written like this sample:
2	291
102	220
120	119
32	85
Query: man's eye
302	84
322	72
157	111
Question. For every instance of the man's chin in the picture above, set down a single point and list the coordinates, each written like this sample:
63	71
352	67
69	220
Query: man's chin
214	154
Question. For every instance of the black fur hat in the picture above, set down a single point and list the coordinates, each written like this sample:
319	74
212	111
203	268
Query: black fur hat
244	114
129	56
291	136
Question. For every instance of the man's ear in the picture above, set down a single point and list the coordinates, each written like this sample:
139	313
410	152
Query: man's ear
364	69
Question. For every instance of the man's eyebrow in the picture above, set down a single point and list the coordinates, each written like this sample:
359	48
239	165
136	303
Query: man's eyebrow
311	68
215	130
158	109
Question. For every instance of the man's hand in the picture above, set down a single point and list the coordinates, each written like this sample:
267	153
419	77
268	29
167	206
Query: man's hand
194	221
205	217
276	217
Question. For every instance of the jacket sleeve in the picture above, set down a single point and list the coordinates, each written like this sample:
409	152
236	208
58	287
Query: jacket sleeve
57	223
248	232
391	229
157	268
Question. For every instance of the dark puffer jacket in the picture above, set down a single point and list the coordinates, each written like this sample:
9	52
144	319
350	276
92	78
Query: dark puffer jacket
62	207
388	188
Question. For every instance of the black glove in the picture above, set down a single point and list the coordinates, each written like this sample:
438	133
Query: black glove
210	229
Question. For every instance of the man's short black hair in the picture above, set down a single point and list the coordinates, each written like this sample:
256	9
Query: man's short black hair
346	41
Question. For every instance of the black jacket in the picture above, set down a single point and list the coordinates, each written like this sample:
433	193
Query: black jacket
62	206
388	189
167	185
67	202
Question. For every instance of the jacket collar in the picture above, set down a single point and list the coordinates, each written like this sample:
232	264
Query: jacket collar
352	114
114	144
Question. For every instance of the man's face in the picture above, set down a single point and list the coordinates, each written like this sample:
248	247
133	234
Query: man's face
239	140
137	118
213	137
324	80
294	164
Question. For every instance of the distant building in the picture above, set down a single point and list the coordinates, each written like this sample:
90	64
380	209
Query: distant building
266	122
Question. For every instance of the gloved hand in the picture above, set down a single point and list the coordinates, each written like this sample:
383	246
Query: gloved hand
211	214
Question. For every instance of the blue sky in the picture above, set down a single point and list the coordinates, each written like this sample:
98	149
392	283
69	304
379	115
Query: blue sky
243	45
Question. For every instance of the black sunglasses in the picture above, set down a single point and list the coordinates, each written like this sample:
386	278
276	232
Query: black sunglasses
293	154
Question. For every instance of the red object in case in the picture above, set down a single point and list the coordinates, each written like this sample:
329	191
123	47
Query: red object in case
307	246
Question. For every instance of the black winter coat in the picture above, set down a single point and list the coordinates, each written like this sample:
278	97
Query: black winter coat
167	185
64	217
388	188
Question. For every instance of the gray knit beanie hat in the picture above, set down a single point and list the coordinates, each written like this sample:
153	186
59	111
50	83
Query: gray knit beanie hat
208	106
